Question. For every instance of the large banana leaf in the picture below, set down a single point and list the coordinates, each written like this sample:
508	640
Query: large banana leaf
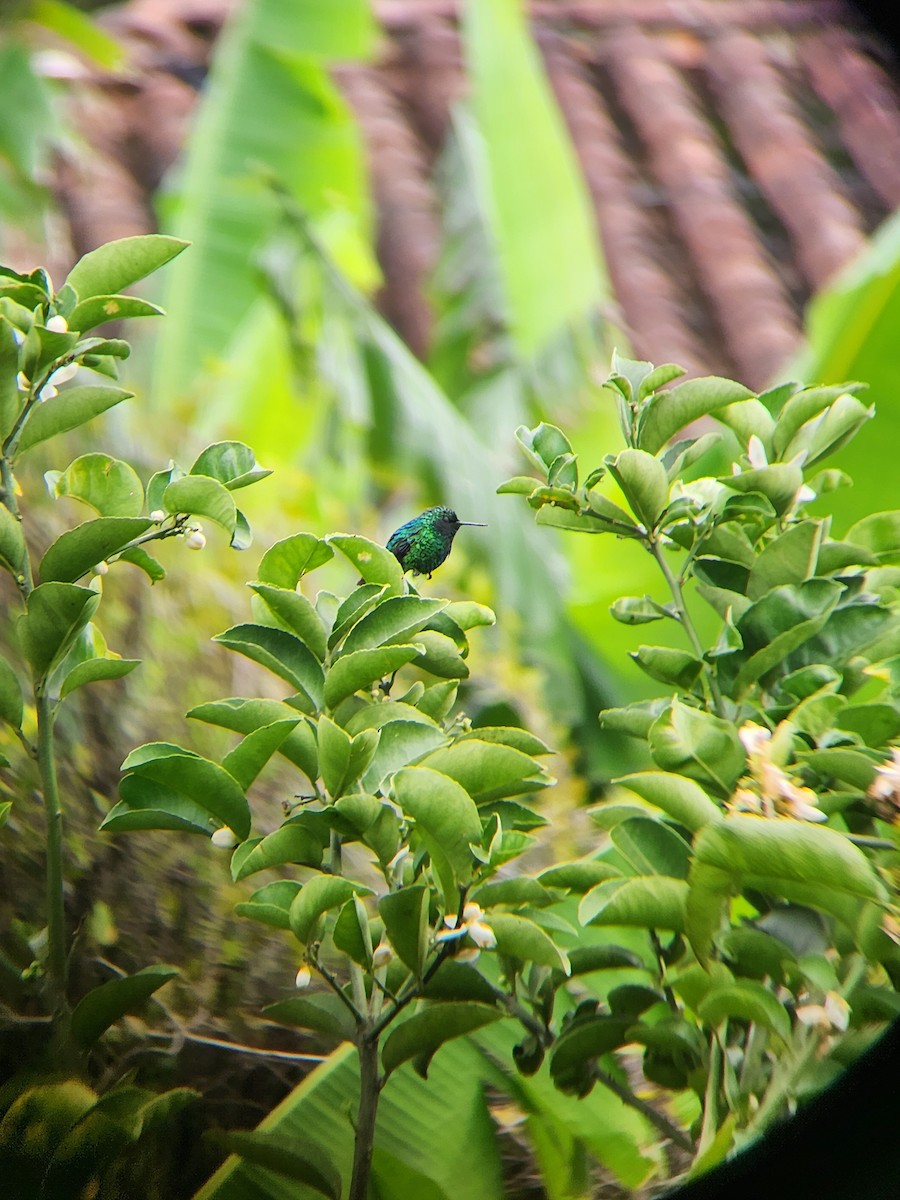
541	217
852	334
269	110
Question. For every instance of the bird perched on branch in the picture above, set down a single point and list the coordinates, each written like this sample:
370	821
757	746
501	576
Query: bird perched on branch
422	544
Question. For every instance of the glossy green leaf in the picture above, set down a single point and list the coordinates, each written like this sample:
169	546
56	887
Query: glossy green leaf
11	703
667	665
360	601
652	847
746	1000
10	398
100	309
518	937
79	550
779	483
201	496
790	558
204	782
362	668
441	657
422	1035
401	743
295	613
579	876
322	1011
334	756
71	408
295	842
697	744
95	670
879	533
117	264
103	1006
246	716
233	464
405	917
635	610
644	484
669	411
373	562
249	757
147	804
12	542
317	896
110	486
447	822
393	621
270	905
283	654
489	770
286	562
351	933
650	901
679	797
468	615
584	1040
55	615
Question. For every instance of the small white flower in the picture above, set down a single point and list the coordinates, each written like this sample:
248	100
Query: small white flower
48	391
303	978
472	924
886	784
158	516
58	324
23	382
754	737
64	374
101	568
382	955
224	838
195	540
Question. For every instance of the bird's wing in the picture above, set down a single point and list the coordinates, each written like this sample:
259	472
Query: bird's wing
399	546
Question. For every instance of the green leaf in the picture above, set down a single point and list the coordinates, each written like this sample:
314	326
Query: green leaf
879	533
334	756
405	917
286	562
351	933
422	1035
100	309
246	716
667	665
110	486
10	399
283	654
651	902
467	614
635	610
652	847
551	273
149	805
296	614
317	896
233	464
517	937
205	783
488	770
374	563
790	558
680	798
644	484
358	670
95	670
295	842
447	822
668	411
579	876
271	904
698	744
322	1011
71	408
249	757
746	1000
394	620
278	1153
441	657
508	735
353	609
12	542
401	743
779	483
201	496
115	265
584	1040
79	550
104	1005
11	703
55	615
519	485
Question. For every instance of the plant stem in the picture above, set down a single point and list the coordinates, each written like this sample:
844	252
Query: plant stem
24	581
782	1083
57	952
711	1096
684	618
662	1123
369	1092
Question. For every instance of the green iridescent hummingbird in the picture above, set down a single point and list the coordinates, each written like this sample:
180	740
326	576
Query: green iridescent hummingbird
422	544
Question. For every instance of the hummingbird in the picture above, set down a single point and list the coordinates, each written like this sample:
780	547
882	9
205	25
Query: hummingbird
422	544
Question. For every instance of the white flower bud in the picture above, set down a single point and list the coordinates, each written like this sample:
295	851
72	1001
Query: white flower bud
382	955
23	382
302	978
58	324
102	568
64	374
48	391
224	838
158	515
18	336
195	540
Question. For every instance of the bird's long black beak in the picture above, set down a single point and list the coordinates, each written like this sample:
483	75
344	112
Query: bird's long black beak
480	524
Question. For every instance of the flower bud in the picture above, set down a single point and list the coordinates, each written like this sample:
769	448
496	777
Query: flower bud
158	515
195	540
224	838
302	978
101	568
382	955
58	324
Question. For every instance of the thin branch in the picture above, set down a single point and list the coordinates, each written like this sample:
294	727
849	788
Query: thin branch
662	1123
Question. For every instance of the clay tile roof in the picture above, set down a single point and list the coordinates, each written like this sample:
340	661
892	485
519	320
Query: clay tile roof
738	152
